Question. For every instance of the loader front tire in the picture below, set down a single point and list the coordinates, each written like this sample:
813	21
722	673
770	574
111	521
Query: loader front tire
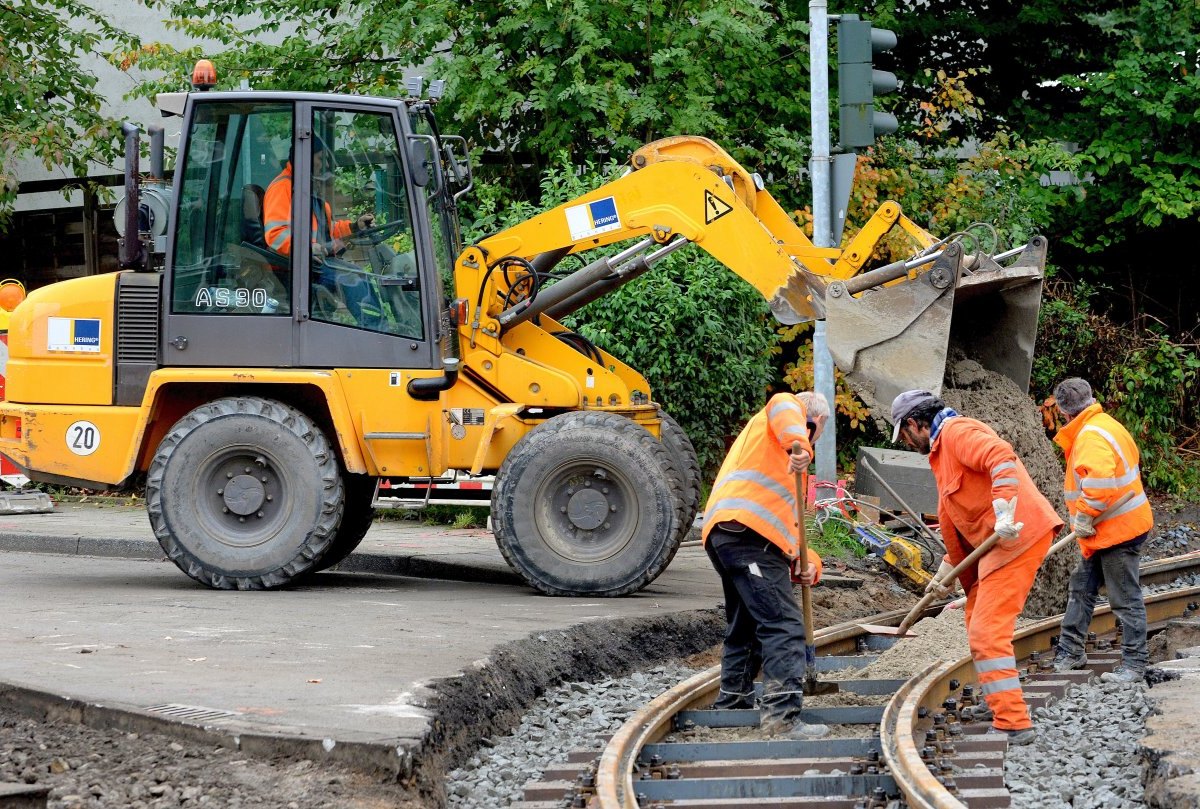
357	518
244	493
584	505
687	468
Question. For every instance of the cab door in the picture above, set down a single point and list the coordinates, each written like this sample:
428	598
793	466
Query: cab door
229	298
369	292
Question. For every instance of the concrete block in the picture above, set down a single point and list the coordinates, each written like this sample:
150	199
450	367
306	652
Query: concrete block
25	503
906	472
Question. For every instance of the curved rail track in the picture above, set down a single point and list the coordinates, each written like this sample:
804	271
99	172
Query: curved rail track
912	748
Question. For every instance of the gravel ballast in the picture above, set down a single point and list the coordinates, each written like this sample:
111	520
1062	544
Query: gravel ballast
1086	753
573	716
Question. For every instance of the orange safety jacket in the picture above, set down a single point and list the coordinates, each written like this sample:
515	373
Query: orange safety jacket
973	466
754	486
1102	465
277	216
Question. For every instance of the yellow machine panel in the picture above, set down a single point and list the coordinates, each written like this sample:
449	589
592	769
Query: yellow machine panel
60	344
79	443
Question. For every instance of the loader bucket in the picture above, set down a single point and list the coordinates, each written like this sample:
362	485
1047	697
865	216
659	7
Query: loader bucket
897	336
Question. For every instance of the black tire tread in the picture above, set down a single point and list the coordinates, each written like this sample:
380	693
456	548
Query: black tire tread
530	445
287	418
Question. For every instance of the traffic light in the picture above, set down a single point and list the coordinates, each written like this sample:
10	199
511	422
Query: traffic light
859	83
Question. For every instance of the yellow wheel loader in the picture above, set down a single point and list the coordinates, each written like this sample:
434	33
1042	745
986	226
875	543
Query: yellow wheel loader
296	318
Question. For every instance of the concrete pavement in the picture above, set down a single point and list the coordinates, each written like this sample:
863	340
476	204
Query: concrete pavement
104	627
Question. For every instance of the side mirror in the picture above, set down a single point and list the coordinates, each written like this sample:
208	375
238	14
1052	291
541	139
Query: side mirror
420	157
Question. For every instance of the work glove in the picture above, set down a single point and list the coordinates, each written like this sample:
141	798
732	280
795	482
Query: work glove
1082	525
1006	513
942	588
365	221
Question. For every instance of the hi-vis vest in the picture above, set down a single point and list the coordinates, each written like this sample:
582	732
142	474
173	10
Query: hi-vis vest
1102	465
277	216
754	486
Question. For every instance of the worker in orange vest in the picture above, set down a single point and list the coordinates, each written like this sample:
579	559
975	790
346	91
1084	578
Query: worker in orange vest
751	537
1101	466
983	488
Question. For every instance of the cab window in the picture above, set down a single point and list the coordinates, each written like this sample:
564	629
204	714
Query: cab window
364	263
222	263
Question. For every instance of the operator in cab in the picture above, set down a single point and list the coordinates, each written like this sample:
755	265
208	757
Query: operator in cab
328	235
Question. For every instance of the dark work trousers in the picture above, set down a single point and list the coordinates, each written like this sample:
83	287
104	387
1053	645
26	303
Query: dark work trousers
1117	569
766	626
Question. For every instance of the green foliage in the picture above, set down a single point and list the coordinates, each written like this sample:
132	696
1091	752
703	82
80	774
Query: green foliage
1154	393
833	538
49	108
453	516
1138	125
527	79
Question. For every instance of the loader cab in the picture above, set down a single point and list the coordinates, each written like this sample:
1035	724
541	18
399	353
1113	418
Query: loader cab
308	232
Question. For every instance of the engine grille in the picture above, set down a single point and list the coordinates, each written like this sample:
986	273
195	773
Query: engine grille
137	323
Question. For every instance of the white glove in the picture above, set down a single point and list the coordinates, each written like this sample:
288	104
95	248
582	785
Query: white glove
1082	525
1006	514
946	587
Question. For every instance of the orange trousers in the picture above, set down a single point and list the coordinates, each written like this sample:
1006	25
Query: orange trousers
993	605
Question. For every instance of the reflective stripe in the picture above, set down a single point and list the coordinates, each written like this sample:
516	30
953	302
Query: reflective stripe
995	664
750	476
1074	495
1096	504
1007	684
781	406
277	223
1108	483
1006	482
751	507
795	429
280	239
1107	436
1129	506
1000	467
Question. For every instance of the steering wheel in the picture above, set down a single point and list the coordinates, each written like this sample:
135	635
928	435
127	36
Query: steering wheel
375	234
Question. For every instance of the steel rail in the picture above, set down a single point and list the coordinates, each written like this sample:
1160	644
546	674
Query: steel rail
931	687
614	785
614	773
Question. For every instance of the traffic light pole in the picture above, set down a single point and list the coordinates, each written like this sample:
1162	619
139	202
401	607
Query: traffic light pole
820	170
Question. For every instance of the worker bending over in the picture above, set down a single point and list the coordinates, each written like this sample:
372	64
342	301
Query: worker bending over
983	488
751	537
1102	465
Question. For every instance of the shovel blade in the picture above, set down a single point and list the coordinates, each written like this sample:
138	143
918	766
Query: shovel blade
815	688
879	629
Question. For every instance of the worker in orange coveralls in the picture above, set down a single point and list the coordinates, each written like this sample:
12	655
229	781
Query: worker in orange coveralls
983	488
752	538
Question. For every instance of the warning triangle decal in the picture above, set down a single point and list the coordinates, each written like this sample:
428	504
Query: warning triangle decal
714	207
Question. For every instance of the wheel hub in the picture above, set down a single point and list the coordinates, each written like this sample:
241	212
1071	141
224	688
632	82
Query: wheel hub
587	509
244	495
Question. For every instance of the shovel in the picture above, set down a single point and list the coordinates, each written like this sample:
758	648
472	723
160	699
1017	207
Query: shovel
972	557
812	687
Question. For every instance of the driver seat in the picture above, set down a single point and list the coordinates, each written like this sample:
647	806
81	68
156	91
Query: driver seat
262	267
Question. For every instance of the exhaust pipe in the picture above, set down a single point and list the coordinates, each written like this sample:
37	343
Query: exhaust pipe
132	254
157	139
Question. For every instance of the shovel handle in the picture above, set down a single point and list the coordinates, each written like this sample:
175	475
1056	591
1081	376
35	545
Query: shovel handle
1108	512
971	558
802	546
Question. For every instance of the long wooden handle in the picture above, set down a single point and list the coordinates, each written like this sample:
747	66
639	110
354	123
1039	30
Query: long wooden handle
1104	515
805	592
971	558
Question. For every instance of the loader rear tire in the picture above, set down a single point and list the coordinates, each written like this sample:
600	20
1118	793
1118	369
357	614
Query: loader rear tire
584	505
357	519
244	493
687	468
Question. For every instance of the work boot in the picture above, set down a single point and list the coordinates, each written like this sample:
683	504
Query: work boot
1123	674
978	713
802	732
1015	737
1065	662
